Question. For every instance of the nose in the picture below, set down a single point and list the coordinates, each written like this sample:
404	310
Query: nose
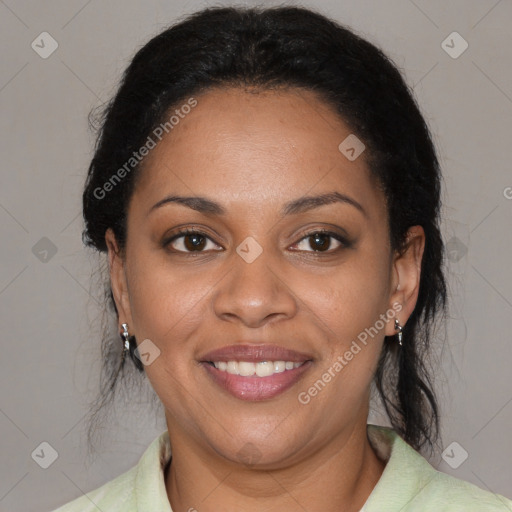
254	292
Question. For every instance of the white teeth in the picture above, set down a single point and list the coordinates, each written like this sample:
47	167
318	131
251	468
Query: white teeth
246	369
279	366
232	367
264	369
261	369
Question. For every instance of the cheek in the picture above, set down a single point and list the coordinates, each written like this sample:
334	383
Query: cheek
351	298
348	304
168	308
167	304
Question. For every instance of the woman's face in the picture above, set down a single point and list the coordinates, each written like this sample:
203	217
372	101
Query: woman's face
259	281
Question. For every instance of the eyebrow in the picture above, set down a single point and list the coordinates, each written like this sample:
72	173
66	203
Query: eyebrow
300	205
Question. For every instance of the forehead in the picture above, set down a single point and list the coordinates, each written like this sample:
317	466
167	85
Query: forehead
247	147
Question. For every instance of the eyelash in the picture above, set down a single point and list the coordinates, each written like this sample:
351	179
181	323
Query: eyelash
188	231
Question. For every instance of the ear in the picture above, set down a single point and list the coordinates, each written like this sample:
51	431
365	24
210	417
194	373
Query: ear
406	278
118	281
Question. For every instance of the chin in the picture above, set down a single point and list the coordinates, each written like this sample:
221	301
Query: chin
260	452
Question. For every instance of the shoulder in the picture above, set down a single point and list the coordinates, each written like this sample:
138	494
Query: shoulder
116	495
411	484
141	486
445	493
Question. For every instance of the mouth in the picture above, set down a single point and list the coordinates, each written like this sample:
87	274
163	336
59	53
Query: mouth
258	369
255	372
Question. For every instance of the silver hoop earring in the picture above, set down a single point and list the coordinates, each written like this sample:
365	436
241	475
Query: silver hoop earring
125	336
129	347
398	327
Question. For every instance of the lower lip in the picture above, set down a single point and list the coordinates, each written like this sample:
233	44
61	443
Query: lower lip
256	388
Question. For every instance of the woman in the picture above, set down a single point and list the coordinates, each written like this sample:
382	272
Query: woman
268	194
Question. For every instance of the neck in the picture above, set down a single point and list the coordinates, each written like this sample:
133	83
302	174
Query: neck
339	476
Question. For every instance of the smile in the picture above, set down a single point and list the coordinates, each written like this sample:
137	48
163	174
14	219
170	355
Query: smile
260	369
250	383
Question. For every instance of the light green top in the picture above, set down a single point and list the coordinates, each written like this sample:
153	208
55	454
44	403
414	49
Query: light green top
408	484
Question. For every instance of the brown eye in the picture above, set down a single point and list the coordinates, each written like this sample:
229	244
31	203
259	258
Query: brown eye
321	241
194	242
189	241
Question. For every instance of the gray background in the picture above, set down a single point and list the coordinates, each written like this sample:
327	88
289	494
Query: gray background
50	305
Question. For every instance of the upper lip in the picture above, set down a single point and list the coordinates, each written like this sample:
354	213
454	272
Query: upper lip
255	353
